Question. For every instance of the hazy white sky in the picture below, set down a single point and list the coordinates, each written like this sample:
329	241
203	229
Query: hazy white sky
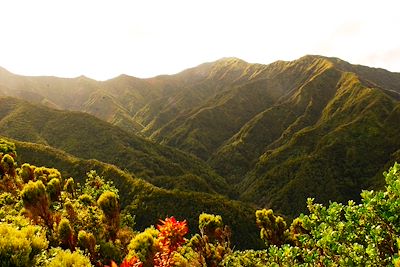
102	39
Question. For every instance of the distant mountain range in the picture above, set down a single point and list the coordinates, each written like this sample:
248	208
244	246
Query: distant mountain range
277	134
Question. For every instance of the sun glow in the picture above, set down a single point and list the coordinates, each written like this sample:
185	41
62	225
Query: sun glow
102	39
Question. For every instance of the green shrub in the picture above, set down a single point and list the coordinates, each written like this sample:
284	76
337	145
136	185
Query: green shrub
144	246
26	172
19	247
96	185
65	233
7	147
46	174
69	186
35	199
272	227
365	234
209	224
64	258
86	199
6	198
110	251
8	165
53	188
109	204
86	241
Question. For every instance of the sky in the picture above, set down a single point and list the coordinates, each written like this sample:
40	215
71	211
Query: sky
103	39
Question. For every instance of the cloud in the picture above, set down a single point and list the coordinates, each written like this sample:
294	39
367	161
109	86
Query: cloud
102	38
388	58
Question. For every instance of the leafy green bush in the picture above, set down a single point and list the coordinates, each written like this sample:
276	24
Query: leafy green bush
7	147
64	258
86	199
209	223
109	204
110	251
65	233
273	227
365	234
53	188
213	243
69	186
87	241
19	247
35	199
144	246
8	165
96	185
46	174
27	172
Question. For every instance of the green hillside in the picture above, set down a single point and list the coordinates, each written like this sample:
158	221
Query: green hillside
85	136
146	201
276	133
334	157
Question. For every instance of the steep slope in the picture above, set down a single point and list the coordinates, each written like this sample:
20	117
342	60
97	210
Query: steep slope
85	136
333	158
100	99
174	110
301	105
222	97
203	116
56	92
373	76
198	110
315	126
145	201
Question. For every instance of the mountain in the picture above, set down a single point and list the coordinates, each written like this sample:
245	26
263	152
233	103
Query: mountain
278	133
87	137
327	138
173	110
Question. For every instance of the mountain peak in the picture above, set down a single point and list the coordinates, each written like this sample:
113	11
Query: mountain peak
230	60
3	70
123	77
83	78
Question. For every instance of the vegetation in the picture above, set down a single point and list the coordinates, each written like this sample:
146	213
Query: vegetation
83	226
273	132
20	246
351	234
145	202
92	138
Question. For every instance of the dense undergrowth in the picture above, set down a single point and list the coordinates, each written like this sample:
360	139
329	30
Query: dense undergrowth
50	220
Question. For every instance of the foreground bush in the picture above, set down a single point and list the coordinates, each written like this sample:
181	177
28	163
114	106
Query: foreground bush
365	234
48	221
20	247
64	258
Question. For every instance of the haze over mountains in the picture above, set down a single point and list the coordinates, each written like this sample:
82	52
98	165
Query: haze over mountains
278	133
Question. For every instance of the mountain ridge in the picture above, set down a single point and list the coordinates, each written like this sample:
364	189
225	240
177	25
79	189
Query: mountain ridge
266	129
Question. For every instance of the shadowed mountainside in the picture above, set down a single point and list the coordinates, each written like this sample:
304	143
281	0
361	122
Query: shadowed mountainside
87	137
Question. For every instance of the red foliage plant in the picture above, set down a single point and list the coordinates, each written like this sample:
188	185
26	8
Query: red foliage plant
132	262
170	237
172	233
